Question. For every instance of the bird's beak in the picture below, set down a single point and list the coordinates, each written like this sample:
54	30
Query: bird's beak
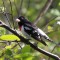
17	20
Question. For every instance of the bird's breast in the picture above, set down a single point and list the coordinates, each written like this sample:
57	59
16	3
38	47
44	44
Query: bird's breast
20	27
23	32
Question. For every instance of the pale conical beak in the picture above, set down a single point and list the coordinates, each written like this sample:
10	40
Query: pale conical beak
17	20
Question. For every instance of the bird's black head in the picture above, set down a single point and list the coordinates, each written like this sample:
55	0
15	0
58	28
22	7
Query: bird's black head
22	20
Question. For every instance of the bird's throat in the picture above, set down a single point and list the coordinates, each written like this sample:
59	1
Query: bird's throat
20	27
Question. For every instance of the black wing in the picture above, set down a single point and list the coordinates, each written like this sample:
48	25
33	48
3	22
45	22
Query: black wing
31	30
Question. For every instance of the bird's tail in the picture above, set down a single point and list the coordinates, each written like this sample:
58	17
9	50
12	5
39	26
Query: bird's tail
51	41
57	44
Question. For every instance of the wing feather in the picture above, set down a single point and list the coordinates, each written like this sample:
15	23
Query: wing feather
34	33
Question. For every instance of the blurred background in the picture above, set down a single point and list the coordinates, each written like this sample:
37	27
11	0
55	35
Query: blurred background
49	23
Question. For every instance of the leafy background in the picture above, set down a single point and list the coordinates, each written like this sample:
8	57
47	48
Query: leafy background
50	24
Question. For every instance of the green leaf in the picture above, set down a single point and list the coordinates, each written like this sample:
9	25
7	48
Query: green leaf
50	29
9	37
17	56
26	49
2	58
30	58
8	52
8	47
2	31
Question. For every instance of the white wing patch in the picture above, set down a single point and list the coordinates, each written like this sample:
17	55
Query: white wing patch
24	33
27	28
36	33
42	33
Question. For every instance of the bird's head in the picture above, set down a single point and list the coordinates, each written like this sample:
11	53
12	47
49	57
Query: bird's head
20	19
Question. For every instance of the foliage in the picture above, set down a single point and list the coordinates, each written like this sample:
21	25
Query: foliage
9	37
50	23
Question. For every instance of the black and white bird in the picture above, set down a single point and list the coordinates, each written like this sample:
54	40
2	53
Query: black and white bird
30	30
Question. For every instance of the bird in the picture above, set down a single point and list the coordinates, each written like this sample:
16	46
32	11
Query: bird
30	30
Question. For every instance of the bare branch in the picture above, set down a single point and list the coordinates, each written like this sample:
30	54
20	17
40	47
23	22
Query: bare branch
52	51
43	11
16	8
49	22
21	7
22	39
12	13
5	13
19	44
28	4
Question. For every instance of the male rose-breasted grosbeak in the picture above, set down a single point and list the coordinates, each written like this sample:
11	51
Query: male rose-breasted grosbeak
30	30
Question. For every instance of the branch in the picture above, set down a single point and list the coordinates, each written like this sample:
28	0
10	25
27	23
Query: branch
22	39
49	22
4	41
12	13
21	4
16	8
5	13
43	11
52	51
28	4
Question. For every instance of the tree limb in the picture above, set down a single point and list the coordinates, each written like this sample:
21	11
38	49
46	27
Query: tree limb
22	39
43	11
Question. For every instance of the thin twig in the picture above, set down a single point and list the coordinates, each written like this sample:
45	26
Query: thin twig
16	8
12	13
43	11
1	55
28	4
6	14
21	7
14	46
49	21
4	41
22	39
19	45
52	50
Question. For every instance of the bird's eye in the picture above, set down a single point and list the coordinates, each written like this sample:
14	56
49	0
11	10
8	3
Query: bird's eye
22	18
